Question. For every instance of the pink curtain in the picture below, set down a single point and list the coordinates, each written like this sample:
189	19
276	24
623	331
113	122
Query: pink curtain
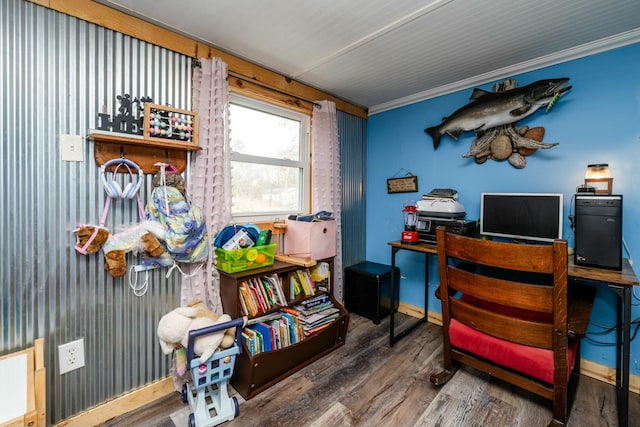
209	181
326	179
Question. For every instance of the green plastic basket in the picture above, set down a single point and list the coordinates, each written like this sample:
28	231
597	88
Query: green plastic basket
237	260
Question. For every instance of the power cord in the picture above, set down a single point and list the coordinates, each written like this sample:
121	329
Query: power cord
608	329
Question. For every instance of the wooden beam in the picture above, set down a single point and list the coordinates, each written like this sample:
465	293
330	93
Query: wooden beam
121	405
255	91
115	20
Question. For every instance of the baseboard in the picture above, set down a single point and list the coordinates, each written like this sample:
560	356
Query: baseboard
588	368
121	405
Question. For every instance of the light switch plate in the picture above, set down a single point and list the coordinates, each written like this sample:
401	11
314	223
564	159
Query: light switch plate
71	149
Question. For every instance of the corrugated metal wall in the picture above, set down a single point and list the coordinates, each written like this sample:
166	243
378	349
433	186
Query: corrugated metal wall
352	132
57	72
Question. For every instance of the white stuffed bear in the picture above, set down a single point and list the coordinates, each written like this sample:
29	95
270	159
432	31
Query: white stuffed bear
205	345
174	327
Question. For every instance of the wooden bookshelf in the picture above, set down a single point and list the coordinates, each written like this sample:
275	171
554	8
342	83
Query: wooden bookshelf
255	373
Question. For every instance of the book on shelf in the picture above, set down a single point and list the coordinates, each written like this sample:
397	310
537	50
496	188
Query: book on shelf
255	287
267	292
275	284
295	286
264	318
295	330
310	282
275	334
244	310
260	294
265	331
308	288
321	275
316	329
248	300
259	342
285	332
313	302
249	338
319	317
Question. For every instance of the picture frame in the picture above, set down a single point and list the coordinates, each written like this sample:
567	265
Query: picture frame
407	184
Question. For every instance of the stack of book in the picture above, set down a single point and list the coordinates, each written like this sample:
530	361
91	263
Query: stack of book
261	294
315	313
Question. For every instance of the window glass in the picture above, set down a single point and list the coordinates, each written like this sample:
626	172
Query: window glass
269	160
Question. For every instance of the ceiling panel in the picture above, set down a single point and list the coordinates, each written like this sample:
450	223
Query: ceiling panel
379	54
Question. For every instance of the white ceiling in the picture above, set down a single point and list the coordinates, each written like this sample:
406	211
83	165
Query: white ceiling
382	54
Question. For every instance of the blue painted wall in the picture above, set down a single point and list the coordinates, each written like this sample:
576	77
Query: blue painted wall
598	121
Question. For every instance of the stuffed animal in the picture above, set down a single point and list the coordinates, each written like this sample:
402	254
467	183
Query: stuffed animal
140	237
90	238
171	180
203	311
173	331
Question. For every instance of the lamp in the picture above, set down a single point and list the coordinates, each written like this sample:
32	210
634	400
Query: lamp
599	177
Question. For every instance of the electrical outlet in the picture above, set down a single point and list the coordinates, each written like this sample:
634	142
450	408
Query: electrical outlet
71	356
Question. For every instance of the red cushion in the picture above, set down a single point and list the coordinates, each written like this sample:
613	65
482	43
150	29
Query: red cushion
533	361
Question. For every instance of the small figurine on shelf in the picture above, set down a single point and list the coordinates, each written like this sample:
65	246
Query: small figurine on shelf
130	117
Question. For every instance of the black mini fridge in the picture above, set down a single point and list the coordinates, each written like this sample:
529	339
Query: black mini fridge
368	290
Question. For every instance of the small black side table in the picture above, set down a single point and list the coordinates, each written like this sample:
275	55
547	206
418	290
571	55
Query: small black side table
368	290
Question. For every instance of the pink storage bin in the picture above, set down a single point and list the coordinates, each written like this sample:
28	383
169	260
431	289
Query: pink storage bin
315	240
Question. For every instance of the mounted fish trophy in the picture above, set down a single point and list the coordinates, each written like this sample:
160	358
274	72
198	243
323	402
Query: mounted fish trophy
493	116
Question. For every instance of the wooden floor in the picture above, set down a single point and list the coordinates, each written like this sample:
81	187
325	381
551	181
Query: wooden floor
367	383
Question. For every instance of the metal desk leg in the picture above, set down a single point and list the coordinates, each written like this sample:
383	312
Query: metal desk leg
393	337
392	296
426	287
623	405
623	351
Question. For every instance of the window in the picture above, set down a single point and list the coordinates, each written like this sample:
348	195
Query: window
269	160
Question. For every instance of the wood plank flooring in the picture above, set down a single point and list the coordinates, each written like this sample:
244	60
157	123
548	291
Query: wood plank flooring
367	383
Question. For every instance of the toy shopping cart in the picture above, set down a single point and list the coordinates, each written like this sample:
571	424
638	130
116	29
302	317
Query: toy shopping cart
208	398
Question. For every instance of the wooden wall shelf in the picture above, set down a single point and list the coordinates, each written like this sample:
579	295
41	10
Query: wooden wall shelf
144	152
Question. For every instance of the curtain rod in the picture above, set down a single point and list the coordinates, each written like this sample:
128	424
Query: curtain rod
196	63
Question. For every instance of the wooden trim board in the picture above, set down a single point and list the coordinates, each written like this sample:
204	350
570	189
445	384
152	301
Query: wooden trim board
121	405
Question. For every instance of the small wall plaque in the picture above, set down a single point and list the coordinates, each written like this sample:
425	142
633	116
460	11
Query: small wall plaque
407	184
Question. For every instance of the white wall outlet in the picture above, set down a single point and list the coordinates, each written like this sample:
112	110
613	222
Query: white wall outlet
71	356
71	149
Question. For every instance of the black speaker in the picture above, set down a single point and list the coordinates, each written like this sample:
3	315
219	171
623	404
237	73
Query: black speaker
598	231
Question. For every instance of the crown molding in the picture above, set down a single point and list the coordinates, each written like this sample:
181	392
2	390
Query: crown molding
587	49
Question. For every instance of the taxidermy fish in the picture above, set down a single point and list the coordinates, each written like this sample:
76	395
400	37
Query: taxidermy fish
491	109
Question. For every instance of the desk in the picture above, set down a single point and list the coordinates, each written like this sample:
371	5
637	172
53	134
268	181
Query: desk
620	282
427	249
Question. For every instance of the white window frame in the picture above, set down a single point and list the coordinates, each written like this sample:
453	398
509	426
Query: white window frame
304	163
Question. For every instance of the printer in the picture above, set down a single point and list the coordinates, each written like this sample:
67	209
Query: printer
441	207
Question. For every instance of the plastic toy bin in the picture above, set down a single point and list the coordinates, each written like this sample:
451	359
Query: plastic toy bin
237	260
